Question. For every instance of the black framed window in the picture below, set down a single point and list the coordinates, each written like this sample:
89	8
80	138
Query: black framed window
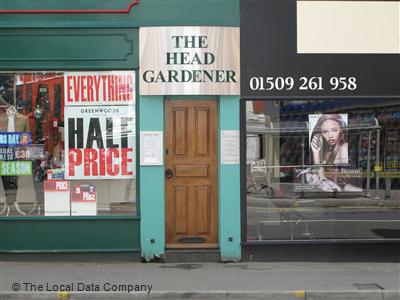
322	169
67	143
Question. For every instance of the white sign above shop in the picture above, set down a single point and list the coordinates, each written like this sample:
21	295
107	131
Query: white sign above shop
189	61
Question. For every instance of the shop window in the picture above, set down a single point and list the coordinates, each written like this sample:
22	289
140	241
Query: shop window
323	169
67	143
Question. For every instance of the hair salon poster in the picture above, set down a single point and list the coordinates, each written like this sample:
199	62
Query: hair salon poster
328	138
100	125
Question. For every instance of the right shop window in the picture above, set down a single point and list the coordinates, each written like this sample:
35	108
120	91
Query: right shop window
323	169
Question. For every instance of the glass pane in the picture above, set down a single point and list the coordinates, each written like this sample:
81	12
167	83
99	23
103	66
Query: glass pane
60	158
323	169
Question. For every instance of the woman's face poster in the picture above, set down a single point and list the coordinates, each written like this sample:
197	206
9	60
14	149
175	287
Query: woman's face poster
328	138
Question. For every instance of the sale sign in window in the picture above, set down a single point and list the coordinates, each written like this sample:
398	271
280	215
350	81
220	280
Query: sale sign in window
99	125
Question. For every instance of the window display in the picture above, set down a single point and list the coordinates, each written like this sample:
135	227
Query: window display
67	143
322	169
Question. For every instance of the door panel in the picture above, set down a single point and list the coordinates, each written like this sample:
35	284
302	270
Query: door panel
202	209
202	132
191	131
191	171
181	209
181	133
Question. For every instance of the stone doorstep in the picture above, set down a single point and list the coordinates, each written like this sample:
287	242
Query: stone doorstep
192	255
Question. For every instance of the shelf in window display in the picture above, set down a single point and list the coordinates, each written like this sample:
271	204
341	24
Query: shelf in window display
294	127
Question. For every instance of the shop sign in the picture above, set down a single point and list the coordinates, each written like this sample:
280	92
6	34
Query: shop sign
319	49
189	61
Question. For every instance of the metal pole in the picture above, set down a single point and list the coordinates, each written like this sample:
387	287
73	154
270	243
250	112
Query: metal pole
369	164
377	162
302	165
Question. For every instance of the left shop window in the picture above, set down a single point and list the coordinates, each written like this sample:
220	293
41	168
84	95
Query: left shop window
67	143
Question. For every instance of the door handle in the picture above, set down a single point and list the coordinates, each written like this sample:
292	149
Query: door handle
169	173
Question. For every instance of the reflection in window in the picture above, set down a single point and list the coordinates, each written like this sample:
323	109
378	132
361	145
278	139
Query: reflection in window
33	144
323	169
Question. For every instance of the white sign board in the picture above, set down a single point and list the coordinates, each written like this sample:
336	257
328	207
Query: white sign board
151	148
230	147
100	142
83	200
56	198
189	60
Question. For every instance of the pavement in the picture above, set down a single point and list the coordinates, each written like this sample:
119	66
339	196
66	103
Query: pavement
251	280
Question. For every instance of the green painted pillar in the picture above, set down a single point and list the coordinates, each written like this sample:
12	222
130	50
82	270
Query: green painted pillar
152	228
229	186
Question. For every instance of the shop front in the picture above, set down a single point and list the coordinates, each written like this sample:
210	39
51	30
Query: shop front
189	164
320	117
120	128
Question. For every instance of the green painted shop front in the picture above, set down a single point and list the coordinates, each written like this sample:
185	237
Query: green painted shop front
102	36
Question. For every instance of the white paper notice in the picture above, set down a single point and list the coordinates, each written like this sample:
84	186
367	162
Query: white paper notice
230	147
151	148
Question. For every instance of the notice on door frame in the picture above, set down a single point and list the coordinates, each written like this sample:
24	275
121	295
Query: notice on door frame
151	148
230	147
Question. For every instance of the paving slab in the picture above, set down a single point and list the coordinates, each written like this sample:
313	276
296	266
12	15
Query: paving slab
256	280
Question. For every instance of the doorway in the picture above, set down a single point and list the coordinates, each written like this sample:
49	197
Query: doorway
191	174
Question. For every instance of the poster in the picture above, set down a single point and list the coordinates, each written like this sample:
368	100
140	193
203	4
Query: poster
15	145
56	198
15	168
327	179
328	139
99	88
11	139
100	142
19	153
7	153
55	174
99	119
83	200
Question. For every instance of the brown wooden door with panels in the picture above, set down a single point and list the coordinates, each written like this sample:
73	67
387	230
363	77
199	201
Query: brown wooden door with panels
191	176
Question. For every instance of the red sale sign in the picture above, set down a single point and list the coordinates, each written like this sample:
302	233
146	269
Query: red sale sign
99	119
100	142
99	88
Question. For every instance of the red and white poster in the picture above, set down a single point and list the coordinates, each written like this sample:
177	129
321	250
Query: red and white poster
99	88
100	142
56	198
99	120
83	200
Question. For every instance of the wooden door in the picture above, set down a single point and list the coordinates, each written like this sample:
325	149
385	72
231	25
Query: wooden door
191	177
